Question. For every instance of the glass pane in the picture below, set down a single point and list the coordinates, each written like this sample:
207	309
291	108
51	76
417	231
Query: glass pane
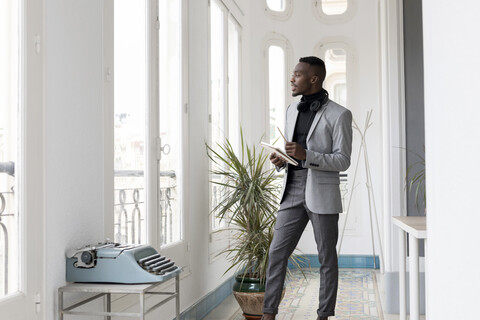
276	5
233	84
130	118
217	94
170	73
276	92
336	78
9	145
334	7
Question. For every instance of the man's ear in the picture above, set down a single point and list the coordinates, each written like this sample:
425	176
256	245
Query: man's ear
314	80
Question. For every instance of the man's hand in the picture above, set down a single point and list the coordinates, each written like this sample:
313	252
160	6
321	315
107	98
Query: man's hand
295	150
276	160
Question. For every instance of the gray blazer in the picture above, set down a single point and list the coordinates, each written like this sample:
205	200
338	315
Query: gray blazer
329	147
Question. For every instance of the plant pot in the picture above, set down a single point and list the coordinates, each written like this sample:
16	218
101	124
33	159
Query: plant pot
249	293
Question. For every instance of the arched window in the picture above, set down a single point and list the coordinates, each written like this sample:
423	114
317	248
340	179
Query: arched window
333	11
336	56
279	9
278	55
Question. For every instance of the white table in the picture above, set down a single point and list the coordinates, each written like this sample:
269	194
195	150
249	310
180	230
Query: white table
107	289
416	228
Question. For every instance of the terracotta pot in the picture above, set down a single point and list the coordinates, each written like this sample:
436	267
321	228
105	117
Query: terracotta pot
249	293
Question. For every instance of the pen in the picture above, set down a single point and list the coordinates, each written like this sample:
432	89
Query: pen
282	134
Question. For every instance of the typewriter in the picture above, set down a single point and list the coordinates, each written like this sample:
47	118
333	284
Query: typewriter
119	263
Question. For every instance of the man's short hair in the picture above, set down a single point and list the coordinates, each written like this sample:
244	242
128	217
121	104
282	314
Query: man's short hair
319	65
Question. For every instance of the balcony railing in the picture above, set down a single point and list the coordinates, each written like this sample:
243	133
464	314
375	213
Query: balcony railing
130	211
7	199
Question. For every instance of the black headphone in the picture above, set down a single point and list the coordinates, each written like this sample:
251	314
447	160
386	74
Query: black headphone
314	105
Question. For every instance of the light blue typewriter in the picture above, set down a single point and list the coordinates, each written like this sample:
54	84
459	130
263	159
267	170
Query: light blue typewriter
119	263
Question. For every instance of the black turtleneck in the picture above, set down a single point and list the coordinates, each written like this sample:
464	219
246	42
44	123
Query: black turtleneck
305	120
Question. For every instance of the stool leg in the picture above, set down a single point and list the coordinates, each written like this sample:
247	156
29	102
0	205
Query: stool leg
177	299
60	305
109	305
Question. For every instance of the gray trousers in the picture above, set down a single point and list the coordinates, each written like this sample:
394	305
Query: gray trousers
292	218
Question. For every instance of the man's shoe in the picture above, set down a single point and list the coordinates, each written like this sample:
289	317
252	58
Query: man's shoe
268	316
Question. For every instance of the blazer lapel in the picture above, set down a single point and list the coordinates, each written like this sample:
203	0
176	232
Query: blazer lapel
316	119
291	127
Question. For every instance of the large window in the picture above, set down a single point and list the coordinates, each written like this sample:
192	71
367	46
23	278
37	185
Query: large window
130	101
276	92
10	62
170	128
148	107
224	87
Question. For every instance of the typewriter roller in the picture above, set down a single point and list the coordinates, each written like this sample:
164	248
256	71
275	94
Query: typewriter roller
115	263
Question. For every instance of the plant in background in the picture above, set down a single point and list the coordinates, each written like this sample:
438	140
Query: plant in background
415	179
249	201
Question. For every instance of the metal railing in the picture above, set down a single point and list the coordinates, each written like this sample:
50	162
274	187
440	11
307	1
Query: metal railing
8	168
130	206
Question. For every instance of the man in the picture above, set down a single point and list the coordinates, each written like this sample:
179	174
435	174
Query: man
319	132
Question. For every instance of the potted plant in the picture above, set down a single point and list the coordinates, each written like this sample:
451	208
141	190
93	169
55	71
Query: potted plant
415	180
249	201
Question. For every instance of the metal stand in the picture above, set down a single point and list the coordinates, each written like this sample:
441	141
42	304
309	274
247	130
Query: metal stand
371	196
106	290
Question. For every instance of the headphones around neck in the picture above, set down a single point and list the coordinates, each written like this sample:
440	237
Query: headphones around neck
314	105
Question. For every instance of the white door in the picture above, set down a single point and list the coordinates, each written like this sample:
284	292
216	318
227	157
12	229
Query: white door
21	160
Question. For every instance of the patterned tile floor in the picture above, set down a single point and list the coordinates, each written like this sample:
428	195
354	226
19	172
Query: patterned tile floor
357	296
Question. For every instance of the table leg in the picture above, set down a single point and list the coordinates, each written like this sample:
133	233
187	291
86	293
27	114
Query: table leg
414	280
177	299
60	305
402	275
142	306
426	274
109	305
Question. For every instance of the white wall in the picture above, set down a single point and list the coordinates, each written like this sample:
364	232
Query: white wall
73	133
452	61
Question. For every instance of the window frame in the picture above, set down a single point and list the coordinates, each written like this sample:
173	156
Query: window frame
339	43
219	238
337	18
153	228
279	15
276	39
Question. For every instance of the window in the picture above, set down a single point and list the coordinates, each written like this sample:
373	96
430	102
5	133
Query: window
148	108
130	101
277	57
279	9
276	5
276	91
334	11
170	129
334	7
10	146
224	88
336	79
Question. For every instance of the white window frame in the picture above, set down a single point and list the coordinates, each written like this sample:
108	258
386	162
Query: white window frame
280	15
30	170
342	43
219	239
337	18
154	227
279	40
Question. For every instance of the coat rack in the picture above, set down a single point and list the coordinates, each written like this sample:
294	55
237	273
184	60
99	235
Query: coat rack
371	197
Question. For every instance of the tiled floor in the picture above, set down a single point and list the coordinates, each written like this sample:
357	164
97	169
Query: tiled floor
359	297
